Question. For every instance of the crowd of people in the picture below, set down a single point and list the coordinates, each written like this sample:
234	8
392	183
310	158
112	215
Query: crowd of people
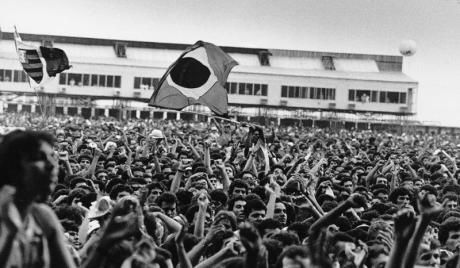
154	193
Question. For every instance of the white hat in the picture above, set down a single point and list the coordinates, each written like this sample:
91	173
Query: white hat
100	208
110	144
157	134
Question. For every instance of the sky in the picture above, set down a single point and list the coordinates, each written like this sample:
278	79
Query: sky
354	26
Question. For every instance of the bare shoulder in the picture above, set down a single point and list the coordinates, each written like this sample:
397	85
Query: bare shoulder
45	217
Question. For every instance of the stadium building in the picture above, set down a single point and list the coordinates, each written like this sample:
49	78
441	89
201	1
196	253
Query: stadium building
117	78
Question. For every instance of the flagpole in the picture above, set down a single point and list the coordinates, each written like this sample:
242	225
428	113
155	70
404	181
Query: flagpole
40	104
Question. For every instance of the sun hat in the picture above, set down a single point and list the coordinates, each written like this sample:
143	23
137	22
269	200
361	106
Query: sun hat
100	208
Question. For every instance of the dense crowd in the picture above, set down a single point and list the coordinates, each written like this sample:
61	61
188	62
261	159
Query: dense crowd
149	193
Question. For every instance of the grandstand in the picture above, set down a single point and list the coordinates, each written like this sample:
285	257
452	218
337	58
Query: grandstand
117	77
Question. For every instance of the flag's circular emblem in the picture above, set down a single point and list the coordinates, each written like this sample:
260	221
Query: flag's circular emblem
190	73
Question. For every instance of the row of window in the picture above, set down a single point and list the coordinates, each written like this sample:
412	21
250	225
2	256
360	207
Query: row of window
94	80
146	83
362	95
13	76
246	89
317	93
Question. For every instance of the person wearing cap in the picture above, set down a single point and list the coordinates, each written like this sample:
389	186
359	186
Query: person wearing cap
97	215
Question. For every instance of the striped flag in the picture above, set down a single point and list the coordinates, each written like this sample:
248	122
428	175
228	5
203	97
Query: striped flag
40	63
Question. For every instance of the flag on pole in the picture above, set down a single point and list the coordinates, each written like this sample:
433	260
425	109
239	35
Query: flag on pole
198	76
40	63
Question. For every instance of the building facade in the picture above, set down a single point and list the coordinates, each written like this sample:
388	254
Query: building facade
118	77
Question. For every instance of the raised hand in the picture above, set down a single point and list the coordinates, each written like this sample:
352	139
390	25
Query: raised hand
97	152
428	206
404	224
213	232
357	200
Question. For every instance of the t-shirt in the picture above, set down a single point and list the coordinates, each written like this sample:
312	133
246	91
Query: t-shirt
30	245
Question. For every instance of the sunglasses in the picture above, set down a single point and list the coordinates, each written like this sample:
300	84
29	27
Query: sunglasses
429	255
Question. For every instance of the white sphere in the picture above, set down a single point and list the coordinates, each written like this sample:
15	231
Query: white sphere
407	47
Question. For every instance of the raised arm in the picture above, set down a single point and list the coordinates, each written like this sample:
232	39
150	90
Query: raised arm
274	191
172	225
355	200
175	185
207	157
429	210
225	179
371	175
203	203
184	261
403	230
92	167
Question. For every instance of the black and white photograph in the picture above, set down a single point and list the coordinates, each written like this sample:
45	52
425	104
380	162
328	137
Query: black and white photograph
229	134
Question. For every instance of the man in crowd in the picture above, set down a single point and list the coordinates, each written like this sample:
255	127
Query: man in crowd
332	198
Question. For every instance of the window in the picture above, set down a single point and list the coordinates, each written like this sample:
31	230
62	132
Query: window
241	88
304	94
120	49
146	83
1	75
63	79
284	91
332	93
102	79
94	80
86	79
291	92
363	95
7	76
137	82
264	58
264	89
351	94
25	78
328	63
383	97
392	97
16	76
402	97
374	96
248	90
257	90
109	80
317	93
233	88
297	92
74	79
117	81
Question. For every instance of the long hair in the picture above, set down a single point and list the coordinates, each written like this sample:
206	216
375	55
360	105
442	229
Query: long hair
14	147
